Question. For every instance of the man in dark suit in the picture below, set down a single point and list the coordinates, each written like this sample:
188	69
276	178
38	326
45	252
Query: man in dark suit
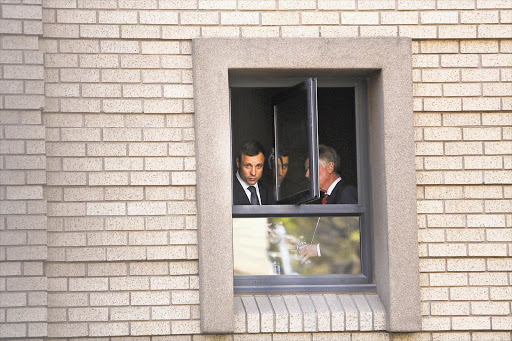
247	189
333	187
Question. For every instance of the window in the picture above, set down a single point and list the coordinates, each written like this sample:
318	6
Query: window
385	63
295	118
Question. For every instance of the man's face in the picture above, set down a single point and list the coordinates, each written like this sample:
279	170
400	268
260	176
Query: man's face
324	173
282	167
250	168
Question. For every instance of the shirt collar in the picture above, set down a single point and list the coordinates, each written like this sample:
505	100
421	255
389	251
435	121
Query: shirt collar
244	184
331	187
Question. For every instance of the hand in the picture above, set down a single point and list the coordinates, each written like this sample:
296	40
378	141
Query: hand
307	251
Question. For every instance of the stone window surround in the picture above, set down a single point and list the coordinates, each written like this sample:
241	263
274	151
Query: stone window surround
387	64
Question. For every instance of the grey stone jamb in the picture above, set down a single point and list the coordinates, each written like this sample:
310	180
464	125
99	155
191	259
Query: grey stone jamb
386	62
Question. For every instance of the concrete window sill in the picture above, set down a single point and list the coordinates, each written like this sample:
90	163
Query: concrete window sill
308	313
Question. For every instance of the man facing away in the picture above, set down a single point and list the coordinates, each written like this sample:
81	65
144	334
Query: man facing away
247	189
331	183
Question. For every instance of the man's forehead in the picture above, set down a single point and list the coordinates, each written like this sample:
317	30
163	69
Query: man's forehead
254	158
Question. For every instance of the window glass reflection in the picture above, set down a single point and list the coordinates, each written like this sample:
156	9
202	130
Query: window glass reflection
269	246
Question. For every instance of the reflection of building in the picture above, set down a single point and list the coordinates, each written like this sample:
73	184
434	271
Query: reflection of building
250	244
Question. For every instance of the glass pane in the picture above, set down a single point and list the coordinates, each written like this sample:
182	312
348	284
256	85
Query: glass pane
295	139
268	246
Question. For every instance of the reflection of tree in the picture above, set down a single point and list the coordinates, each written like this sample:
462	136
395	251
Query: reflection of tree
339	239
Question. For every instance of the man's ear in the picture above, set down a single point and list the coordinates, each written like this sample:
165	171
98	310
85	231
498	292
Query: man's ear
237	163
330	167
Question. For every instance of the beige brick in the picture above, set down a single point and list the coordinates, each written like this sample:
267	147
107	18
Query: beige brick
464	206
80	105
147	149
160	47
339	31
432	265
129	163
320	18
440	76
159	76
497	148
82	164
129	283
440	17
176	62
418	32
469	293
280	18
79	75
150	298
142	91
108	179
443	192
359	18
76	17
109	299
501	323
426	60
122	106
149	268
165	223
108	329
448	279
439	46
457	31
181	32
106	208
494	31
61	31
488	279
480	75
458	90
481	104
169	282
130	314
122	134
106	149
126	253
501	293
498	177
166	252
124	76
99	61
139	61
123	194
463	148
25	162
466	119
99	31
466	265
496	60
434	294
447	250
378	31
144	4
503	264
483	162
167	134
88	314
487	192
106	238
220	31
450	308
124	223
147	208
504	89
163	106
471	323
488	250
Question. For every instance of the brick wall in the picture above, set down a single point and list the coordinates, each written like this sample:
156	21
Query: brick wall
119	154
23	247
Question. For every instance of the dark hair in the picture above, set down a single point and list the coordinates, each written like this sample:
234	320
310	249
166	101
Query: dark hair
327	154
250	148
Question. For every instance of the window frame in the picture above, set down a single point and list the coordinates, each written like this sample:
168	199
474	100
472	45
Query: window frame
386	61
331	282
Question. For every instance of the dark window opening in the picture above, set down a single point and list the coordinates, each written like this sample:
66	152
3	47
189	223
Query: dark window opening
266	237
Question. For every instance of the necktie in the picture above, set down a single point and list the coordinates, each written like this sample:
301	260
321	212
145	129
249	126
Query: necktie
254	197
324	199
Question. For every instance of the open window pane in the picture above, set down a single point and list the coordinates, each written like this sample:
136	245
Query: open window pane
296	143
268	246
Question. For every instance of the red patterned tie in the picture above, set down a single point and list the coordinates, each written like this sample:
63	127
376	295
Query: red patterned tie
324	199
